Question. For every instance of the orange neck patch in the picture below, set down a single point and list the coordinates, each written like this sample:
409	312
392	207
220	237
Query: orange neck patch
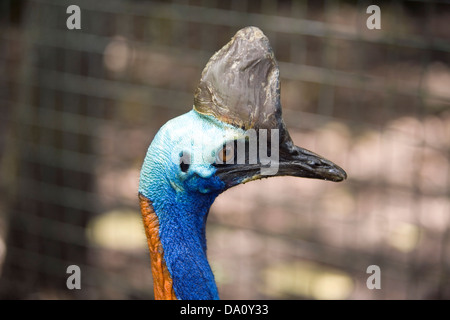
162	281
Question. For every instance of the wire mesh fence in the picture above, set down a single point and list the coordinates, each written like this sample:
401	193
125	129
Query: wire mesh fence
80	107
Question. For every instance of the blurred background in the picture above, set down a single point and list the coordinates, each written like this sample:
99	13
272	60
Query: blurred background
78	109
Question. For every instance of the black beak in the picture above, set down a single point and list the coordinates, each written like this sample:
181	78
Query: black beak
292	161
298	162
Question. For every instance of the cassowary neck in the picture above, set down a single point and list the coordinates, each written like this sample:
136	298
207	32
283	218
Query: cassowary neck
162	282
183	266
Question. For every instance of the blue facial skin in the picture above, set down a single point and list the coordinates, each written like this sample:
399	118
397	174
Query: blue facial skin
182	196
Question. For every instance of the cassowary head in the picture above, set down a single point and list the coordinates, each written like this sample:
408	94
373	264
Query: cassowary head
233	134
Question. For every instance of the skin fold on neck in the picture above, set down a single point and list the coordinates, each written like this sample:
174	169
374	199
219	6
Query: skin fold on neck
162	281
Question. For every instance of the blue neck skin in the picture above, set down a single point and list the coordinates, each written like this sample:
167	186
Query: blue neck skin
182	235
181	199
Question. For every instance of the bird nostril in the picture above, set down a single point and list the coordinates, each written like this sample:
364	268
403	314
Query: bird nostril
313	163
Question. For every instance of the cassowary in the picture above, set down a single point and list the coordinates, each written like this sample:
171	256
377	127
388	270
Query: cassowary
233	134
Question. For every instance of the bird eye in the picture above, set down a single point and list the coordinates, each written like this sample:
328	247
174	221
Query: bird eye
185	160
226	154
